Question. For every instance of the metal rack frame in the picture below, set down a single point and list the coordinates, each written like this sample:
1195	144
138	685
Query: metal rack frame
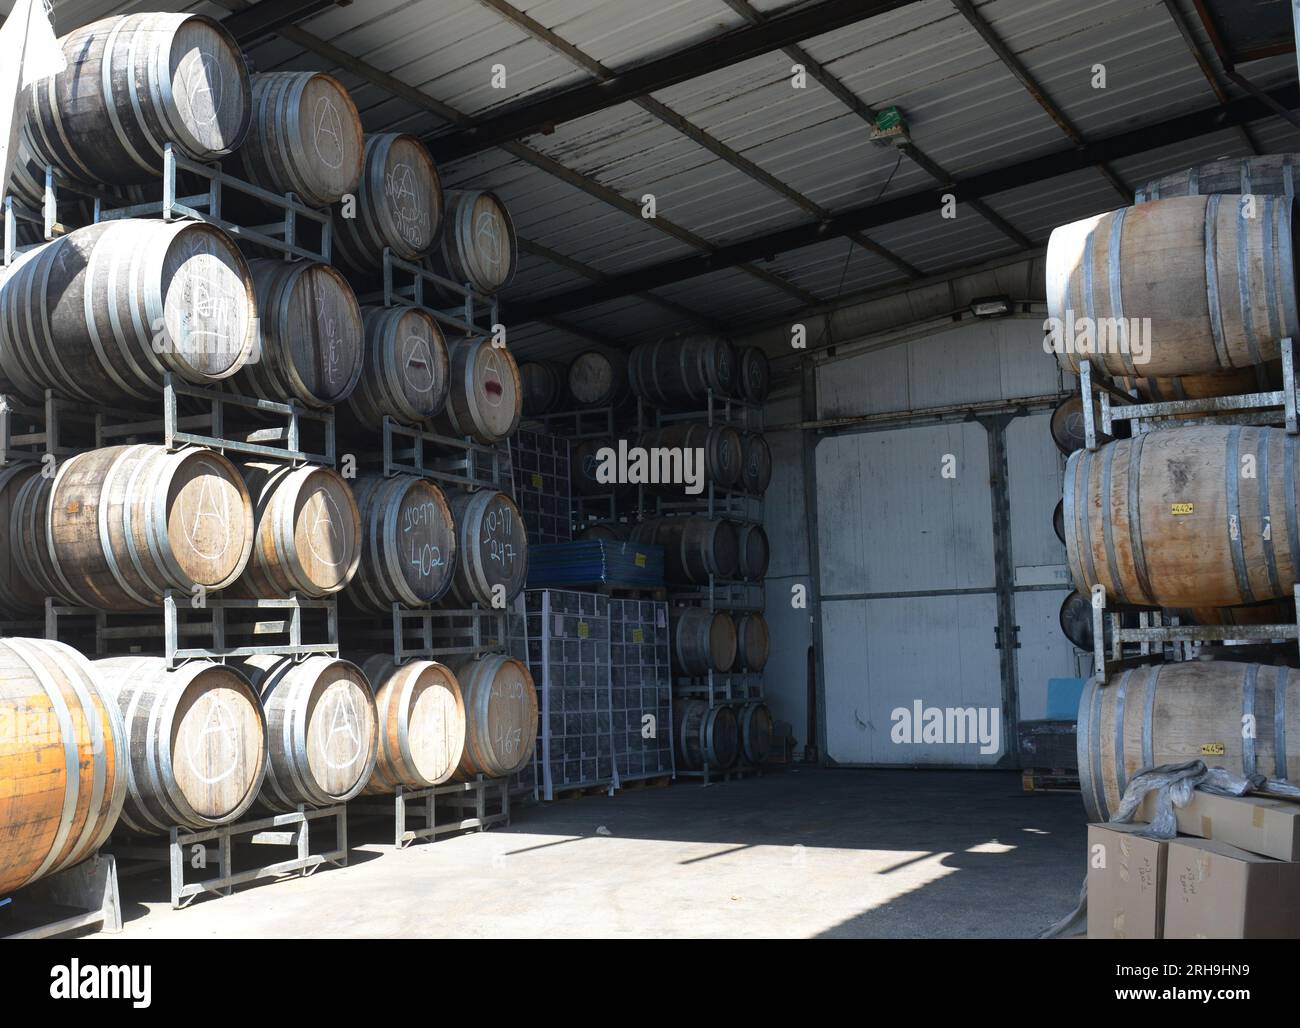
409	806
410	450
181	619
1258	408
1152	635
48	424
537	461
468	322
90	886
292	829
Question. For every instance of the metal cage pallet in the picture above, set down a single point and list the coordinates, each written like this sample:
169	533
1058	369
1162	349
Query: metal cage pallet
279	830
106	632
1116	406
540	472
641	688
409	806
1152	635
81	896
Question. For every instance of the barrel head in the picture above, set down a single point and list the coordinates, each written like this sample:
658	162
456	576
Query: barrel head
342	730
209	87
422	362
209	519
322	320
208	305
436	724
412	195
493	549
490	243
489	382
425	541
218	744
327	531
329	136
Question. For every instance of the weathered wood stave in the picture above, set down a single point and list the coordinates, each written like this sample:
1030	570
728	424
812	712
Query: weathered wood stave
492	550
406	370
702	641
399	204
706	735
500	715
421	723
484	397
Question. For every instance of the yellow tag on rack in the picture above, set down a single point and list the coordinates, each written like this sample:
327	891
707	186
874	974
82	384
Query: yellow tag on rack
1213	749
1180	508
537	480
640	560
638	635
584	630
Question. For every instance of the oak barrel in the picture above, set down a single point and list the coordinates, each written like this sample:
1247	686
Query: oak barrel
421	723
1058	520
544	385
1219	288
694	547
322	730
721	448
406	370
398	204
195	738
584	466
304	137
409	548
20	596
679	371
1198	387
755	377
135	83
604	531
756	469
101	313
312	341
118	526
500	715
307	532
598	378
478	246
492	550
62	760
1195	710
755	730
752	546
484	399
1171	518
752	641
706	735
1067	426
1271	174
703	641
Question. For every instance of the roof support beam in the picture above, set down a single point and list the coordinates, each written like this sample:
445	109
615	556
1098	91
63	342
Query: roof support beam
742	44
269	16
1203	62
1038	169
1017	68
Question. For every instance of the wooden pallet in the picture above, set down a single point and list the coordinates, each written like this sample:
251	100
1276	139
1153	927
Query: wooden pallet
657	782
1036	779
574	792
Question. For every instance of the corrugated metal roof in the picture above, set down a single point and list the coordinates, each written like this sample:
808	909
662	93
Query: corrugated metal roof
965	110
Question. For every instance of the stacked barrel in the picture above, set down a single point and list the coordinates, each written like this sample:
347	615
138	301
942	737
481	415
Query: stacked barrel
1192	513
103	313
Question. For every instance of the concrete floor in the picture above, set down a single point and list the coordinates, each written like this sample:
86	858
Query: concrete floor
797	853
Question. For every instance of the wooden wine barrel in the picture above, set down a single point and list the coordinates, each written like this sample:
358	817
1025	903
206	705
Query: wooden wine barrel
604	531
407	368
544	385
135	83
1170	519
492	544
1198	387
706	735
20	596
399	204
484	400
752	642
1058	520
195	739
421	723
1067	427
755	730
409	548
308	532
1224	294
312	341
304	137
694	547
77	315
679	371
755	378
1268	174
500	715
1075	619
1169	713
322	730
721	447
478	246
27	180
118	526
585	462
598	378
703	641
756	469
753	550
62	761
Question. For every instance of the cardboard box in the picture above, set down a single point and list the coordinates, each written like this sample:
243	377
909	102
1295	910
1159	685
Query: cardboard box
1126	896
1255	823
1217	891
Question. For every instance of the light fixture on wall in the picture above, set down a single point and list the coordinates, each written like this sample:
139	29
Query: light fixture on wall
991	306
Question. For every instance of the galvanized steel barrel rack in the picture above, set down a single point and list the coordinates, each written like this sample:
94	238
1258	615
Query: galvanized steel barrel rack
408	450
479	804
230	628
1112	405
1158	634
408	283
539	465
293	831
80	896
28	432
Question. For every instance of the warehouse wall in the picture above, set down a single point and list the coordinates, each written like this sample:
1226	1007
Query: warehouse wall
943	596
